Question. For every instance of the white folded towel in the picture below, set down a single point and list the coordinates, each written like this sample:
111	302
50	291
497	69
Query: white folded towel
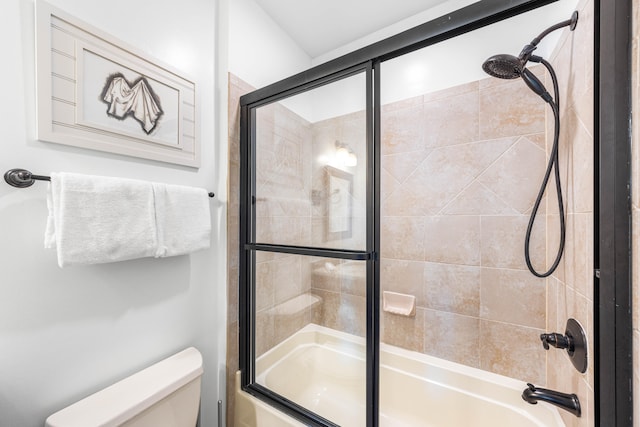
94	219
183	220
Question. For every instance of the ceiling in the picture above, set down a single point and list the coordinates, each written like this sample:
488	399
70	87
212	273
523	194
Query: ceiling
321	26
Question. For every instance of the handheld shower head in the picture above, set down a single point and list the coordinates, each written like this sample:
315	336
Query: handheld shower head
503	66
511	67
535	85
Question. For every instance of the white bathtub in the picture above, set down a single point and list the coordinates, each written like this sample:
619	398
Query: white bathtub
323	370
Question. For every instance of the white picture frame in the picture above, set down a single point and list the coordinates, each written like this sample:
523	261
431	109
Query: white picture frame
95	91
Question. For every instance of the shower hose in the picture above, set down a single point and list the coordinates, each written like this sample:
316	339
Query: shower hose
552	164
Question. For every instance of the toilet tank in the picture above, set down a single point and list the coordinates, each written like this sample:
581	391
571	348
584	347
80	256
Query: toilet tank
166	394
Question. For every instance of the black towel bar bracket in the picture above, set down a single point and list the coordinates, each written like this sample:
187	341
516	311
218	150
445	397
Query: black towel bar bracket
22	178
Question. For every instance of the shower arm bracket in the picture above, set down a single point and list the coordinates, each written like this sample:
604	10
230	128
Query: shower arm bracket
527	50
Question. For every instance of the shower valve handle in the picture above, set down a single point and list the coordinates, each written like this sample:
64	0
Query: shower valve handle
556	340
574	341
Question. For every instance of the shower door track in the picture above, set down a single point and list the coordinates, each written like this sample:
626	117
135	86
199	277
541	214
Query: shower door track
612	222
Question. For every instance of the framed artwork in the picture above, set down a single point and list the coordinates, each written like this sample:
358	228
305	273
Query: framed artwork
96	92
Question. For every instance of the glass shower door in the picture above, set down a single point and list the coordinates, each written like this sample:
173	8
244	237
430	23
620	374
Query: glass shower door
463	156
307	250
383	243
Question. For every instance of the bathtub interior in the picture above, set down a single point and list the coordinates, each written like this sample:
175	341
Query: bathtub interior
324	370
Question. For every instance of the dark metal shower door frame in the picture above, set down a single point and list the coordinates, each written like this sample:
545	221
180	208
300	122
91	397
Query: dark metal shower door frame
612	213
249	246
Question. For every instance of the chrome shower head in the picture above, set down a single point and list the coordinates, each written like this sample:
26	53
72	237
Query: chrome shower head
503	66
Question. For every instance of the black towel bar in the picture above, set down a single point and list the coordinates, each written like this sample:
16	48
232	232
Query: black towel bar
22	178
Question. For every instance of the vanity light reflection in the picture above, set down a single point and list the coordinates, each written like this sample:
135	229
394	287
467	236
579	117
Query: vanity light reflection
345	155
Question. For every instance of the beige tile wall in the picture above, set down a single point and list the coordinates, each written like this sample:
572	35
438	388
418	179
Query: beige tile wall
570	289
283	216
340	285
461	169
236	88
635	166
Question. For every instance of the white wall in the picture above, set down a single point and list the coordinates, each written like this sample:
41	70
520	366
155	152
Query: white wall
65	333
391	30
260	52
450	63
459	60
